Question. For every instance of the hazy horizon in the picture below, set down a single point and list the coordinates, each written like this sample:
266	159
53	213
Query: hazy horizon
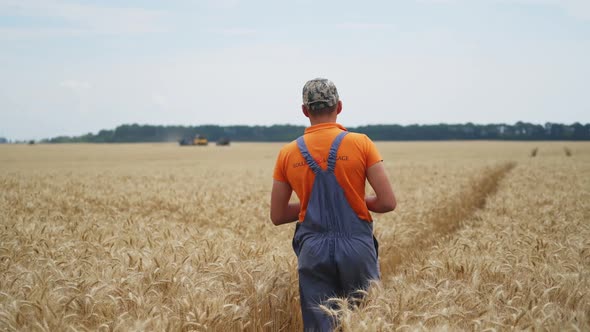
276	124
72	67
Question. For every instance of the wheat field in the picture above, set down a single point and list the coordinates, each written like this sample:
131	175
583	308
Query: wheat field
155	237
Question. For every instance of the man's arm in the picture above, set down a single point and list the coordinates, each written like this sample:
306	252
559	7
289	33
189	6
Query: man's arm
384	199
281	211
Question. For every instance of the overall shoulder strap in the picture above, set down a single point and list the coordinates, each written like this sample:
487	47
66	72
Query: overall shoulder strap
308	158
334	150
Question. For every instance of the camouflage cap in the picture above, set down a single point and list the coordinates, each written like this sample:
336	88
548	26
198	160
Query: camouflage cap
320	93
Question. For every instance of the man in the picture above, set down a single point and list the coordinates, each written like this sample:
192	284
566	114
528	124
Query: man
327	168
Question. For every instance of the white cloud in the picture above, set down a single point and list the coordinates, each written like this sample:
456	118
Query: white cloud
437	1
28	33
79	96
160	100
236	32
75	85
576	8
81	18
224	4
365	26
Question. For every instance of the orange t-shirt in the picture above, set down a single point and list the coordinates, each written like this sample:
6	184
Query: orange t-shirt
356	153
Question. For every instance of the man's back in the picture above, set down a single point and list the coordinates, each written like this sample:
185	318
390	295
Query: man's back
355	155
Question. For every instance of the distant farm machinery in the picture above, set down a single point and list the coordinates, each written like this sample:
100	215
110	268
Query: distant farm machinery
196	140
200	140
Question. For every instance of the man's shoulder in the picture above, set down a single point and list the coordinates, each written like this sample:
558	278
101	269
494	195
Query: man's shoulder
358	137
289	148
355	135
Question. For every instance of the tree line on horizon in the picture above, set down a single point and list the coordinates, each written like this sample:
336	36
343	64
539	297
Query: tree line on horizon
135	133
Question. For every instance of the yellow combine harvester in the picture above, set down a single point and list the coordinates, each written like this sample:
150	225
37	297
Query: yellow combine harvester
197	140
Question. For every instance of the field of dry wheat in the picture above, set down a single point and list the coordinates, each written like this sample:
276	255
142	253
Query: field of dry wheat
154	237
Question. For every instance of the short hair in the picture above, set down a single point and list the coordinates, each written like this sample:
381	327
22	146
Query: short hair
322	111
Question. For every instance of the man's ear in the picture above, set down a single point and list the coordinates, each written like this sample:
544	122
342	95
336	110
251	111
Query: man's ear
339	107
305	111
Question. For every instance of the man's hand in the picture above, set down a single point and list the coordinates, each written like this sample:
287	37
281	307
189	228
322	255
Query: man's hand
281	211
384	199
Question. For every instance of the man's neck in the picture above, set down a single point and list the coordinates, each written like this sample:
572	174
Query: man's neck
320	120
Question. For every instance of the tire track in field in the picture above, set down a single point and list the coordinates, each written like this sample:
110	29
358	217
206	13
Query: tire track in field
446	219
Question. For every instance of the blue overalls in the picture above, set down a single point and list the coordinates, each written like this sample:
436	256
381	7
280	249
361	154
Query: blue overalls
336	250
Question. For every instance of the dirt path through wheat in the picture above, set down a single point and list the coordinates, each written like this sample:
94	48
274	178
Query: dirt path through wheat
444	220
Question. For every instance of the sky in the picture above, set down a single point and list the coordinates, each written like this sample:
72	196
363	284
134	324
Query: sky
70	67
